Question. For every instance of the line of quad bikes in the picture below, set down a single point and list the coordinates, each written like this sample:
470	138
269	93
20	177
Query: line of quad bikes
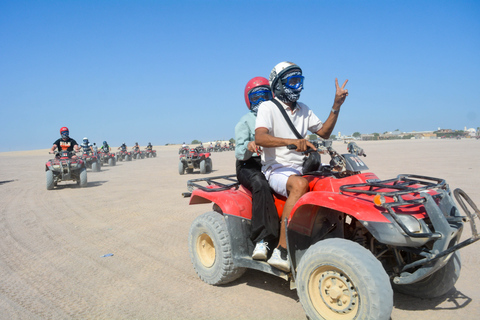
66	166
352	239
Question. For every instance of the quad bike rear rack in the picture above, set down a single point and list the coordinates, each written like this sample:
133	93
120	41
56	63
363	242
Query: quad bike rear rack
440	207
212	184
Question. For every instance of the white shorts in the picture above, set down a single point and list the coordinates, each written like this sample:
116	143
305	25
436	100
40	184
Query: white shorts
278	176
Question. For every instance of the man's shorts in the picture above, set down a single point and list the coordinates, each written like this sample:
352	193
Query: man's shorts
277	177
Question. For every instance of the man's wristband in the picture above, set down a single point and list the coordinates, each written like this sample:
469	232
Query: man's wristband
335	111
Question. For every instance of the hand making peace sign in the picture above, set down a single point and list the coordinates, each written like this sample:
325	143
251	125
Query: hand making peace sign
340	94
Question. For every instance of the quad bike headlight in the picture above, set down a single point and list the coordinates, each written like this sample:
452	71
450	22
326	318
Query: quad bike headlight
412	224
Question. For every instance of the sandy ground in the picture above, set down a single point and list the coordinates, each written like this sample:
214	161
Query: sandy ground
51	264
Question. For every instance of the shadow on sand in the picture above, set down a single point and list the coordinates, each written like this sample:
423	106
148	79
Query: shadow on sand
6	181
451	301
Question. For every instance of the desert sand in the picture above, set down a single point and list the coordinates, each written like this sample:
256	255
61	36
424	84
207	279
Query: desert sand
53	243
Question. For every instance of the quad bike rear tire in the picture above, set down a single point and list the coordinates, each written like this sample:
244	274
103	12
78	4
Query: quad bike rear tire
111	162
437	284
50	183
181	168
203	167
83	178
211	251
96	166
209	165
339	279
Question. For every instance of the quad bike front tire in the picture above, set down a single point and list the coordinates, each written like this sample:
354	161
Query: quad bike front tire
203	167
211	251
181	168
111	162
339	279
50	179
437	284
138	156
83	178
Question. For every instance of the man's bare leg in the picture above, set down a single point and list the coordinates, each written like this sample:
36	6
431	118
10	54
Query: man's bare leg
297	186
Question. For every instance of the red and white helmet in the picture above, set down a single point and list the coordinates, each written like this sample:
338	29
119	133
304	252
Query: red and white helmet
255	83
64	132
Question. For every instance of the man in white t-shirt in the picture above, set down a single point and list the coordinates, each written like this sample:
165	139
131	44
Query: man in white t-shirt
281	166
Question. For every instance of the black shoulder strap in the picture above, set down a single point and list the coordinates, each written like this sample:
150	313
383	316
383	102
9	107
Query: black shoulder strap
289	122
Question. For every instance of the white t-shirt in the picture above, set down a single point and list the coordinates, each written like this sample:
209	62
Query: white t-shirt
271	118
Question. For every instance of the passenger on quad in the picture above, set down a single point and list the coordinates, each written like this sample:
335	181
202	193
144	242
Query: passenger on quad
95	149
105	147
65	142
265	222
282	166
123	147
136	147
86	146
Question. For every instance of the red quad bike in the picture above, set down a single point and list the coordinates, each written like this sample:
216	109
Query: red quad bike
124	155
138	154
184	150
64	168
350	239
195	159
107	158
150	153
91	161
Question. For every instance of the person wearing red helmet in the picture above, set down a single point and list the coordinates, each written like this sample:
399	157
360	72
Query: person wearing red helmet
283	167
265	222
65	142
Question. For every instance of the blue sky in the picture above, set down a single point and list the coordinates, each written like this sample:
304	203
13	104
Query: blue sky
174	71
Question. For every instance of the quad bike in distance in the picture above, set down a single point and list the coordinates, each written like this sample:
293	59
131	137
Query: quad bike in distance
124	155
184	150
64	168
195	159
91	161
107	158
138	154
149	153
351	239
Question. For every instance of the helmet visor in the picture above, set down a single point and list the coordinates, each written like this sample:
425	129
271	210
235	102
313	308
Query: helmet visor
64	134
294	82
259	96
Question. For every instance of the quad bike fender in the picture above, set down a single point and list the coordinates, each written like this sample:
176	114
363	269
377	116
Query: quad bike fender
361	209
303	215
232	202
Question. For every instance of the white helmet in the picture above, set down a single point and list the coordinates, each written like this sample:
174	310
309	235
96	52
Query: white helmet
279	70
85	140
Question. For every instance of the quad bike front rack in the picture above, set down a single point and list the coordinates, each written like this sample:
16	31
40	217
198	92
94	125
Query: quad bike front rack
213	184
440	208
